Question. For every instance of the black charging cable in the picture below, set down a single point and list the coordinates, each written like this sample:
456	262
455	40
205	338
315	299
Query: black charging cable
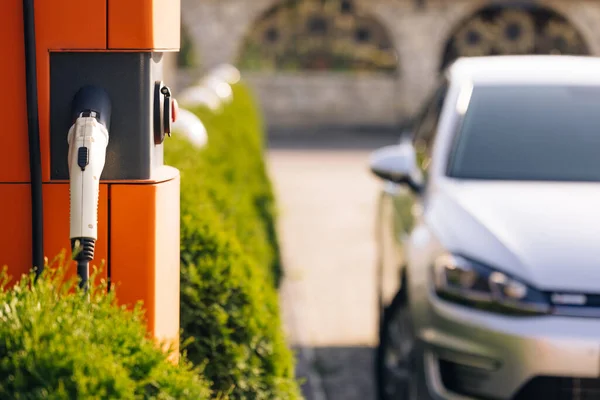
35	157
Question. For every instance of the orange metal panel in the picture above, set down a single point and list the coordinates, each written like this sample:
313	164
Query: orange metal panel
166	284
132	242
63	25
144	24
167	24
60	24
144	223
56	227
70	24
15	229
14	156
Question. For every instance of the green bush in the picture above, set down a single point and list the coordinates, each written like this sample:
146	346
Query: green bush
57	343
230	258
239	183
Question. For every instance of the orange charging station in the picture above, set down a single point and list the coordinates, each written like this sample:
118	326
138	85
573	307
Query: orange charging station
117	46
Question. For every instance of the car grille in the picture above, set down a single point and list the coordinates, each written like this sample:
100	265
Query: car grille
462	379
551	388
590	308
467	381
593	300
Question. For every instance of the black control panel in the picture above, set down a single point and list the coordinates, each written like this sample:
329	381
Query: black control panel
130	79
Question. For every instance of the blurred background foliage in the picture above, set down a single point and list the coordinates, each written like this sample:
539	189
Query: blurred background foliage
186	58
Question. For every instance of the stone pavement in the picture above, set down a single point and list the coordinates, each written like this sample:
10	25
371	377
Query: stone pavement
327	200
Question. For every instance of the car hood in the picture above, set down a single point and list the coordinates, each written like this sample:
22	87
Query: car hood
545	233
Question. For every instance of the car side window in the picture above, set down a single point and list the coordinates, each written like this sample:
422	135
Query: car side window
426	127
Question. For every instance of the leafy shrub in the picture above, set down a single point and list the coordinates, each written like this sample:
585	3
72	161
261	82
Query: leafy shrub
57	343
230	259
239	183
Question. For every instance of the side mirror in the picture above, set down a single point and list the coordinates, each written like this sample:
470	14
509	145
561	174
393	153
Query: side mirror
397	164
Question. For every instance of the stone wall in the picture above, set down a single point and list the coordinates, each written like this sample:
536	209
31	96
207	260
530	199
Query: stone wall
326	99
419	35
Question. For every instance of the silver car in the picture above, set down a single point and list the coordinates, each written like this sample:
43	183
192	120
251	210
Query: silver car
489	236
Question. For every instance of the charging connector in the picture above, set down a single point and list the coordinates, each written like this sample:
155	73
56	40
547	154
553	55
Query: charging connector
88	139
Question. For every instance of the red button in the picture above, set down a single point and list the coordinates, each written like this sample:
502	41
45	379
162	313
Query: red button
174	110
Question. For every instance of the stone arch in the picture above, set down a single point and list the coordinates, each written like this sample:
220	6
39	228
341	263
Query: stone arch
318	35
513	29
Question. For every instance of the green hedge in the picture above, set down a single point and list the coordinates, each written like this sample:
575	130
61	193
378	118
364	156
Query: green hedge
230	258
239	185
55	343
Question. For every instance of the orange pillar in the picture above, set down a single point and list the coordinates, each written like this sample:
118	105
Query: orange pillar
117	45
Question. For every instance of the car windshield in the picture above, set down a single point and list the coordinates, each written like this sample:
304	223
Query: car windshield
530	132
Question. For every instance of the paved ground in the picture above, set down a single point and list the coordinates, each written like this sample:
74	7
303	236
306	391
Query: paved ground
327	198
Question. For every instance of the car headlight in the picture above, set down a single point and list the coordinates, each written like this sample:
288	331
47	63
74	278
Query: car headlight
470	283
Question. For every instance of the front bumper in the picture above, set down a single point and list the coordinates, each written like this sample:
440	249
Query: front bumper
472	354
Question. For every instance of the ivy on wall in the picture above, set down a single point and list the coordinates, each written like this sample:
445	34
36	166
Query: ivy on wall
504	30
317	35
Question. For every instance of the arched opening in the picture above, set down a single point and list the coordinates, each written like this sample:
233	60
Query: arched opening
318	35
510	30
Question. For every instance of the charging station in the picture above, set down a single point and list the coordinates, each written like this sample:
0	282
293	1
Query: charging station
83	83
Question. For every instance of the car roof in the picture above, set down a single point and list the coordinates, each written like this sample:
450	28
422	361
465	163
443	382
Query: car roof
527	69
